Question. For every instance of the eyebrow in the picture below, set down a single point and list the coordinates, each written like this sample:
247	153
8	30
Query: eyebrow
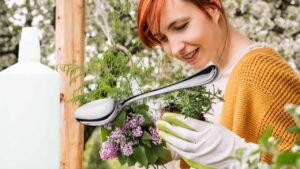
179	19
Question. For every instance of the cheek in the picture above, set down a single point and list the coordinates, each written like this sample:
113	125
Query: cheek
197	34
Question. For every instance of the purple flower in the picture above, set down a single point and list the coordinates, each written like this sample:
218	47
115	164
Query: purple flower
141	119
133	121
116	136
109	150
130	123
155	137
137	132
126	148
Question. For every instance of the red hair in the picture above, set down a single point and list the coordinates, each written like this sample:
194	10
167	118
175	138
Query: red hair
149	12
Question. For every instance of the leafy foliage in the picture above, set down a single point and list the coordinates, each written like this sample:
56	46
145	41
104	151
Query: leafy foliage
194	102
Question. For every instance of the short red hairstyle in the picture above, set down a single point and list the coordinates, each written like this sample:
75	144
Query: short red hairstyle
149	12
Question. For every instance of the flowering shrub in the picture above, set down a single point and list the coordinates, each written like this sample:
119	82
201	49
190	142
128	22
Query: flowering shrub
132	138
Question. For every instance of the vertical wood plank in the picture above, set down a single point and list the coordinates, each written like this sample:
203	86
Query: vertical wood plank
70	24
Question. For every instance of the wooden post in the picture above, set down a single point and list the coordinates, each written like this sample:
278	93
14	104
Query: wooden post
70	23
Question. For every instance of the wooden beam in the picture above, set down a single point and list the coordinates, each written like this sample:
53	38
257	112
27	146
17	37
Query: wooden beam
70	25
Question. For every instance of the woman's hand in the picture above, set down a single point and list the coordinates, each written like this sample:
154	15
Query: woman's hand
200	143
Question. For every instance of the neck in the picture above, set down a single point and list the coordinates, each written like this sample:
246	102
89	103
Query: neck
236	43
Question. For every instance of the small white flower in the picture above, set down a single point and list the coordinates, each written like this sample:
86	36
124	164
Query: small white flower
297	110
288	107
295	148
271	139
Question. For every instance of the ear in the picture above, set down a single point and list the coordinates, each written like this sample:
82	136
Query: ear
214	11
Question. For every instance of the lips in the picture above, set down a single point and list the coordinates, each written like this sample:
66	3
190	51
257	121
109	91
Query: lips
191	57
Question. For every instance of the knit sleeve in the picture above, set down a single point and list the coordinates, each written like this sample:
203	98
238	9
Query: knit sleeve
276	81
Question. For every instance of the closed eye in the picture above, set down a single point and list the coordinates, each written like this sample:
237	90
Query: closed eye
181	27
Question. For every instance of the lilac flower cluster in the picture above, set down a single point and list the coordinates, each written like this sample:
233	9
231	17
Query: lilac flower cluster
137	132
155	137
123	139
126	148
109	150
133	121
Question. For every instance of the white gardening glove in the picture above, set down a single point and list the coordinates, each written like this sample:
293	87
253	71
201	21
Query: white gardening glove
201	144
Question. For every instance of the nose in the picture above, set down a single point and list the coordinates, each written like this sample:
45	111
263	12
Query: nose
177	47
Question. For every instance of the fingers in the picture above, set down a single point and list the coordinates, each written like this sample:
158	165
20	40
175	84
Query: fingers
186	122
179	132
179	144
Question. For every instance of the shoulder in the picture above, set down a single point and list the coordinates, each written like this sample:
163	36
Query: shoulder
264	68
263	61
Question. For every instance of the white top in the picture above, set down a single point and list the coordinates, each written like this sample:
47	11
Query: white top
221	83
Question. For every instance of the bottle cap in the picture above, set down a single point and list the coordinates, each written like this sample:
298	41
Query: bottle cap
29	47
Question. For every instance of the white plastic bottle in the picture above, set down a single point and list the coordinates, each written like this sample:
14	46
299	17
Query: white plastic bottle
29	110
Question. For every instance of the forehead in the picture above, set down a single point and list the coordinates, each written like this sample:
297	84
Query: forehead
173	10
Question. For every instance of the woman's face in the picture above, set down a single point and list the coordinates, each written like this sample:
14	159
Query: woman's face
188	34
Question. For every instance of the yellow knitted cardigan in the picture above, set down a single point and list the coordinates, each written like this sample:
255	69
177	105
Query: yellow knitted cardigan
259	87
261	84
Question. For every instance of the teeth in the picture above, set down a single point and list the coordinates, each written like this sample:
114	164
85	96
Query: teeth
188	56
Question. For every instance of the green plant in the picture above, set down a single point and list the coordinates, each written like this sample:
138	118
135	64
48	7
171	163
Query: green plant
194	102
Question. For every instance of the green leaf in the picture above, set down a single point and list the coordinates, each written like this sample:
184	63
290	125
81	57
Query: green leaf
147	143
287	158
298	163
122	159
152	154
141	109
131	160
263	141
118	122
162	152
104	133
294	130
148	120
146	136
140	155
297	142
164	155
146	139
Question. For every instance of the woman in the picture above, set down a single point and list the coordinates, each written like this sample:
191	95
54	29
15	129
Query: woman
258	82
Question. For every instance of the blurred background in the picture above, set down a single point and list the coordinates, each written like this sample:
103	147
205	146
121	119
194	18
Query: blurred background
112	24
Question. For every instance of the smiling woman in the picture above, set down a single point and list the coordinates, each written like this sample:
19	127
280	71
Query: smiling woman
179	20
256	81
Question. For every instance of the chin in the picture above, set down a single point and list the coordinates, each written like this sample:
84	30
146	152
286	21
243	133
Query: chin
199	66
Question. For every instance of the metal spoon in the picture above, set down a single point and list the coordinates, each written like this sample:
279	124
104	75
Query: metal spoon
102	111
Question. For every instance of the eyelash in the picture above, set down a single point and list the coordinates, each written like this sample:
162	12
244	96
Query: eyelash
181	27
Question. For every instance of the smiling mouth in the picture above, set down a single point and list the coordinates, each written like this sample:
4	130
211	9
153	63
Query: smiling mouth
191	57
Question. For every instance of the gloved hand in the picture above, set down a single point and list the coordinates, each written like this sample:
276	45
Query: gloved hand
201	143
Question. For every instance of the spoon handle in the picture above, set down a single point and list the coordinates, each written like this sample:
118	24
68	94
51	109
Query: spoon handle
203	77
